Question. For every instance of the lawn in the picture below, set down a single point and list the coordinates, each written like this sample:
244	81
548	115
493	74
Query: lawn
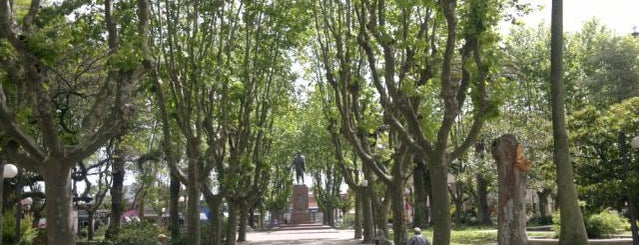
480	236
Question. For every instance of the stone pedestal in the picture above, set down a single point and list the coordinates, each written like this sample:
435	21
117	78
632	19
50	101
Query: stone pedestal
299	212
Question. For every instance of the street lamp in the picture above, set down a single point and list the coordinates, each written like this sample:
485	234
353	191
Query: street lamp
632	208
8	171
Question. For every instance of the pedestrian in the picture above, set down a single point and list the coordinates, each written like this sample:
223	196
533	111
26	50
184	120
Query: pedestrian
417	239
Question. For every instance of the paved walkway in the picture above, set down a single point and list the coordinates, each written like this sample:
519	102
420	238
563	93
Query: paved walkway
310	237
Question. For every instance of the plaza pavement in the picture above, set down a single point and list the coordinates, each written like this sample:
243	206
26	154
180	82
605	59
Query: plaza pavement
310	237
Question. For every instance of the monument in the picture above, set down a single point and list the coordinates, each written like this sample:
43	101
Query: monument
299	212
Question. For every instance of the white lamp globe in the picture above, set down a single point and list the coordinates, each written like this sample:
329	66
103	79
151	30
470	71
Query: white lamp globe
10	171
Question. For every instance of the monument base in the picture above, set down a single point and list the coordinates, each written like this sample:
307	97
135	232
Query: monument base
299	212
300	217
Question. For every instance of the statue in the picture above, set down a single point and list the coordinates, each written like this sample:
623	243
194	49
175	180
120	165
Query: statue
299	162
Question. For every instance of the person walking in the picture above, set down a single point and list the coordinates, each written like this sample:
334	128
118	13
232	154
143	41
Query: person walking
417	239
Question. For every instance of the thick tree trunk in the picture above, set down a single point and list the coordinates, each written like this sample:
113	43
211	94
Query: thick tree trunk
117	194
174	209
358	214
367	215
440	201
543	201
397	206
57	179
90	229
573	230
241	234
511	213
419	185
193	209
231	225
215	235
483	214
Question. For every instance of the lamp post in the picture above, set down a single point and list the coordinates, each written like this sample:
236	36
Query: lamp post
623	147
8	171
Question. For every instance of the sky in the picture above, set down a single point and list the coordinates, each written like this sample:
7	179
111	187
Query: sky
618	15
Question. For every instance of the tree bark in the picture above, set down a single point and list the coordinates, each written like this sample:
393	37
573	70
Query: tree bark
367	215
511	213
215	206
440	209
231	225
241	234
483	212
543	201
573	230
57	177
174	209
193	209
90	229
420	218
358	214
397	205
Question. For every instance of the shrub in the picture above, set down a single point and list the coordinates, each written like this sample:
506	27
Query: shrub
540	220
137	233
604	224
27	233
600	225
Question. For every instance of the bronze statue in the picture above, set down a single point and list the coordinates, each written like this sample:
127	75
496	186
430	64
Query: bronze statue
300	163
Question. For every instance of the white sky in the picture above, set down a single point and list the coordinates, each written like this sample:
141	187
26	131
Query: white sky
618	15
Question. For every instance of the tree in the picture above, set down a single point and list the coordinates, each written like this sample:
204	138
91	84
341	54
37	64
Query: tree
573	230
64	119
397	54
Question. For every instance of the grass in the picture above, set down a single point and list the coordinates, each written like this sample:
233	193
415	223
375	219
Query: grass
480	236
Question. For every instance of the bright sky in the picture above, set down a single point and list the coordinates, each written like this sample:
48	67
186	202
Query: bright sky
618	15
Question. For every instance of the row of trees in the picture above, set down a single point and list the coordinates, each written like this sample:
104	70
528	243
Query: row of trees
206	94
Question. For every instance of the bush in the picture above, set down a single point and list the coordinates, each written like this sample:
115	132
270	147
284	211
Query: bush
604	224
540	220
600	225
27	233
138	233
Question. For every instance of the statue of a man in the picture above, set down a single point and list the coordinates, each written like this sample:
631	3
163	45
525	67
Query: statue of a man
300	163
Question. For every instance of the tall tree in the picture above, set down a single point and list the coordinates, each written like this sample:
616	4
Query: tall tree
573	230
47	47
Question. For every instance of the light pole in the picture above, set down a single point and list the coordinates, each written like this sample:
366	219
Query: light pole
8	171
623	147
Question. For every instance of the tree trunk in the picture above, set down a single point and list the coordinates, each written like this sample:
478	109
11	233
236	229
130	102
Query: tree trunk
215	206
440	201
483	214
193	209
231	224
367	215
511	210
458	199
174	209
397	206
420	218
573	230
90	229
358	214
57	178
543	201
241	235
117	194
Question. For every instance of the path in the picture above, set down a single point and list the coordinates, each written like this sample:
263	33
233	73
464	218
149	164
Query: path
309	237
